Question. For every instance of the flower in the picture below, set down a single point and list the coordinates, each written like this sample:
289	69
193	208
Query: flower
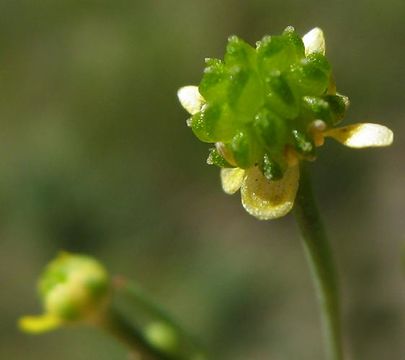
267	109
73	288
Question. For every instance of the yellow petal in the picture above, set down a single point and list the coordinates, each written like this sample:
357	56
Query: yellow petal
38	324
362	135
231	179
190	99
266	199
314	41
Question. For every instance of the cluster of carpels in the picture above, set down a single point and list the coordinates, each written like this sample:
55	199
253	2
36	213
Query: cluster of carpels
266	109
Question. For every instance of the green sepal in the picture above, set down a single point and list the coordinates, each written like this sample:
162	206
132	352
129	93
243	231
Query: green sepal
203	123
279	52
246	94
294	42
271	169
280	96
244	149
55	274
214	85
70	311
316	108
329	108
271	129
215	158
238	79
338	105
239	53
303	144
311	75
213	123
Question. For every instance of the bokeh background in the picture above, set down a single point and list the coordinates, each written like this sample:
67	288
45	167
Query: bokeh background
95	157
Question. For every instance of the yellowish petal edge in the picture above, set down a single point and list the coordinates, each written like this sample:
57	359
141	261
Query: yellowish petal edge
231	179
362	135
38	324
266	199
190	98
314	41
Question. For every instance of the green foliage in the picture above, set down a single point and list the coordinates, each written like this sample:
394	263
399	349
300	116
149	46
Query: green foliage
258	100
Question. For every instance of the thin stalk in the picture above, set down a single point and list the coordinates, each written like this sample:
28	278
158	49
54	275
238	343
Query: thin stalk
144	327
121	329
319	256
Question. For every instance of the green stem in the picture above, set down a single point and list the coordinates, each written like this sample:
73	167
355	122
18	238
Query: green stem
122	330
319	256
136	321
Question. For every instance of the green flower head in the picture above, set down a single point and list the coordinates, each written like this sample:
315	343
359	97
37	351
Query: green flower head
72	288
268	108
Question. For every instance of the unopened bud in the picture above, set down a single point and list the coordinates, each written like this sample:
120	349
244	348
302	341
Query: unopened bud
72	288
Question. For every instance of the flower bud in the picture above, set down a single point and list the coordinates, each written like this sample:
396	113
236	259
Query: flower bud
162	336
72	288
267	109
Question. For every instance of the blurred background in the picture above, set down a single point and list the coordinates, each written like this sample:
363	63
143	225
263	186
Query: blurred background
95	157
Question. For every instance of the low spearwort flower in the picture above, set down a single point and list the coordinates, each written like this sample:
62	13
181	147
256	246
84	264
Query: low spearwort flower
268	108
73	288
76	289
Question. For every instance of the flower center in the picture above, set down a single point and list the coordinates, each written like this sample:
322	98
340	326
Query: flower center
267	104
